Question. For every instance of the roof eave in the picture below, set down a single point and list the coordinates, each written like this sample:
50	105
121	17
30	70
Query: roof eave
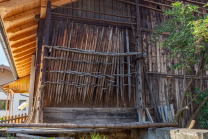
7	50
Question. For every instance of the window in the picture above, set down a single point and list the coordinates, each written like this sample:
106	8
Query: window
22	101
3	104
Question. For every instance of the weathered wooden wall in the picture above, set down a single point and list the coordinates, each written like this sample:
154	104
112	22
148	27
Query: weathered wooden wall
166	89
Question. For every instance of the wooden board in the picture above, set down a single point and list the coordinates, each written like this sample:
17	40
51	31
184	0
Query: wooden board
87	115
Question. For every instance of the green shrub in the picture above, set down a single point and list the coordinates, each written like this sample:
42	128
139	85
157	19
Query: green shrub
96	136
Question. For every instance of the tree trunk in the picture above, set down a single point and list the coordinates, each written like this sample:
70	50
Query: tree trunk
197	111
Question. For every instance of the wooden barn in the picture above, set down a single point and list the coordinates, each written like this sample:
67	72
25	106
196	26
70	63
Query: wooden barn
90	62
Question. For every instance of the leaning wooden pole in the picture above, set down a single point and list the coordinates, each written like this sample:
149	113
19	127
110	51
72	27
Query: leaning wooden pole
114	126
138	48
151	95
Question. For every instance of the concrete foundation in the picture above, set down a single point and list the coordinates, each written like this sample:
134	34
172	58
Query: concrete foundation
176	133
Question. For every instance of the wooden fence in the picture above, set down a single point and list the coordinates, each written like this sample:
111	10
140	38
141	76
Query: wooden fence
14	119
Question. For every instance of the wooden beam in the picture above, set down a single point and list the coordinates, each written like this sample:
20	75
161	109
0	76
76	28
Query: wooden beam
68	125
22	59
62	2
25	66
43	65
3	1
32	81
19	63
31	46
24	74
29	26
24	36
26	53
43	8
139	64
127	2
23	71
23	15
12	3
24	43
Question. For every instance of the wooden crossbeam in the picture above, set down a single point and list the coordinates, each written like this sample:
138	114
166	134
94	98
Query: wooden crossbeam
26	53
22	49
24	43
29	26
23	15
24	36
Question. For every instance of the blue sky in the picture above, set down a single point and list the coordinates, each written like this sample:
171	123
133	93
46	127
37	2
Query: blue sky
3	59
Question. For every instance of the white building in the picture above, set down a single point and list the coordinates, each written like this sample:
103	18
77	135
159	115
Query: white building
6	77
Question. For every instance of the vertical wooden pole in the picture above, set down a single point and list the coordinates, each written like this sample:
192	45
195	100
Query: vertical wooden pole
12	103
22	119
139	64
11	117
129	64
10	99
15	121
44	63
7	101
25	117
32	81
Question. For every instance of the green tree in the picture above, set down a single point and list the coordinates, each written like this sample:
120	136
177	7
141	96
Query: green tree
188	42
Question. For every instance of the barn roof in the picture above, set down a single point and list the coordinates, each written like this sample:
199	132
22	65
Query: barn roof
19	29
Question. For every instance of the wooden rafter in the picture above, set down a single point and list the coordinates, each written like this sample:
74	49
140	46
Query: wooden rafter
23	36
22	49
28	63
23	15
22	59
24	43
24	67
23	29
24	54
25	63
19	63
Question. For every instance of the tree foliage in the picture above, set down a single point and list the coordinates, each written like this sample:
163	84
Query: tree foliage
188	42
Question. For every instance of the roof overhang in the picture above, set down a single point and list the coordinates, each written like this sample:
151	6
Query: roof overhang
21	85
18	31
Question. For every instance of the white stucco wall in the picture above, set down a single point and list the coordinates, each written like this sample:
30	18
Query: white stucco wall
6	77
17	98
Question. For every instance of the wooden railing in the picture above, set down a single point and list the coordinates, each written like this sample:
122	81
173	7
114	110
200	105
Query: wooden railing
14	119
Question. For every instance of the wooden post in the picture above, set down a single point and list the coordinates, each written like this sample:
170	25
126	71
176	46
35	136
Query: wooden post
139	64
7	101
11	117
45	53
10	99
22	119
19	118
129	64
8	117
151	95
32	81
15	121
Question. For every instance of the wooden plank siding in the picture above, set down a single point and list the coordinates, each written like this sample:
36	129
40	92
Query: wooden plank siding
69	30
